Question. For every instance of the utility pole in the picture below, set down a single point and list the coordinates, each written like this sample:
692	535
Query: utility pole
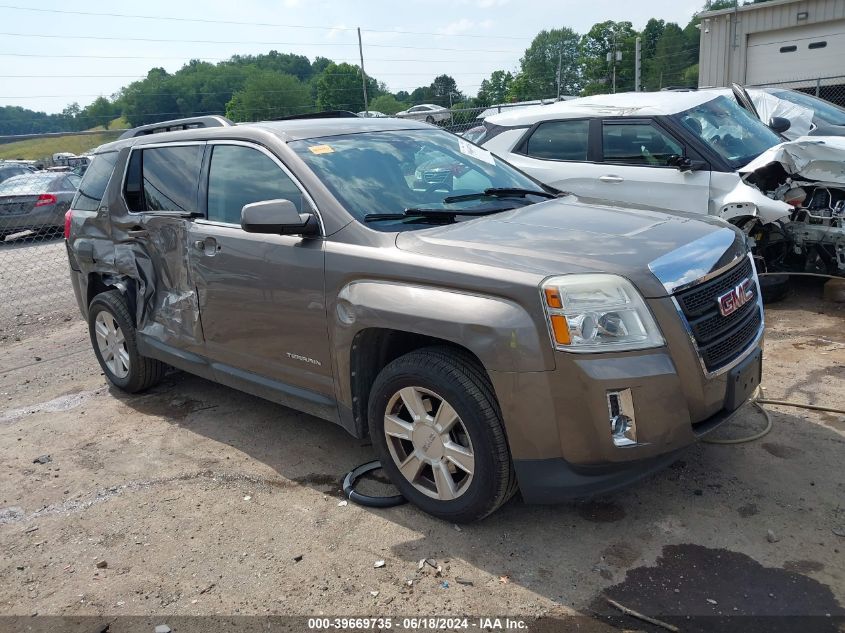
363	72
559	59
638	66
612	57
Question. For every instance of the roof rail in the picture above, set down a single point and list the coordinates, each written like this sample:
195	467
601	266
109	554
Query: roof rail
177	124
325	114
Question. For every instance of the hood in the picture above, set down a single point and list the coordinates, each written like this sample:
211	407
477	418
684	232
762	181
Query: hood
657	251
813	158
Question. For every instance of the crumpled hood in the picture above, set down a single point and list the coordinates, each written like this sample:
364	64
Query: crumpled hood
816	158
655	250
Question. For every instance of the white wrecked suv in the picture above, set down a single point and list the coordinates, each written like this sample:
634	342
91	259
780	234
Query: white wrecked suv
704	152
487	333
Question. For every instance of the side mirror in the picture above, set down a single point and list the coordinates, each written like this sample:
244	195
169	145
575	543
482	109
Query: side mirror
684	163
779	124
277	217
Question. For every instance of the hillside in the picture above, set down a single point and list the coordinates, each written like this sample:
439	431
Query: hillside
37	148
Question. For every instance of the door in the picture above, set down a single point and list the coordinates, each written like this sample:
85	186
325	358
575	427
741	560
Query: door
807	52
637	168
558	154
262	304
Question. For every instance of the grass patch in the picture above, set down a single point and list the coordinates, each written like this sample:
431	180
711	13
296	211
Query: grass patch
38	148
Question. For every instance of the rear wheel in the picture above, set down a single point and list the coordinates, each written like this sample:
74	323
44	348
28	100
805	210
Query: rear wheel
112	335
437	428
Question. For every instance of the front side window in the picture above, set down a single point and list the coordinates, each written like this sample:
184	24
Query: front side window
638	144
377	173
163	178
559	140
94	182
242	175
733	132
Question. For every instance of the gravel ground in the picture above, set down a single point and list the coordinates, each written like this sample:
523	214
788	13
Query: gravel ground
194	499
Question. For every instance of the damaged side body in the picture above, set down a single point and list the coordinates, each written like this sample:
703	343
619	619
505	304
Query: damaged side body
803	228
145	256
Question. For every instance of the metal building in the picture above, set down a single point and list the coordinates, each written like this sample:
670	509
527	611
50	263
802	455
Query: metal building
799	42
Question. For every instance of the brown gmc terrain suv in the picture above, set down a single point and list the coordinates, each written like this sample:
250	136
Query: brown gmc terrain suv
489	334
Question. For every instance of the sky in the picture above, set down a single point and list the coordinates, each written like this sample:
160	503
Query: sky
49	59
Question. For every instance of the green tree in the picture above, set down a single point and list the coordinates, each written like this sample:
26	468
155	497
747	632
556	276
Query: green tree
444	91
539	64
423	94
268	94
495	90
100	112
604	39
339	88
388	104
671	58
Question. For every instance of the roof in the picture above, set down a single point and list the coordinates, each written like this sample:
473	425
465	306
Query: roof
298	129
620	104
286	130
747	7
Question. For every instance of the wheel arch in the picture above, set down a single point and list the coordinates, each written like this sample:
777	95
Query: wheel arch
373	322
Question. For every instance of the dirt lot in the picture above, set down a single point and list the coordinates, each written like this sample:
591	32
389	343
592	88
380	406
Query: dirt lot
203	500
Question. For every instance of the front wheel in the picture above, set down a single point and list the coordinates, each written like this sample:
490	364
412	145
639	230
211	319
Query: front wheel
113	338
438	431
429	119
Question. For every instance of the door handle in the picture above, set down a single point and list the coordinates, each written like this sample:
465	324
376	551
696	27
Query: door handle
611	179
207	246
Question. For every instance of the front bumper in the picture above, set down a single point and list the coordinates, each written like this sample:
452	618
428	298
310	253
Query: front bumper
558	422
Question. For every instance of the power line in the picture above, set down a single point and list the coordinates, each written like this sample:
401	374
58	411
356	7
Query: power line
224	59
265	24
252	43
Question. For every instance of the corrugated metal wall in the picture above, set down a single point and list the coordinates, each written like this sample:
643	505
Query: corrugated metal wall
724	35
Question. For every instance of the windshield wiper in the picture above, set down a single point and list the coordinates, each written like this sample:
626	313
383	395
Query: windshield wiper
500	192
447	215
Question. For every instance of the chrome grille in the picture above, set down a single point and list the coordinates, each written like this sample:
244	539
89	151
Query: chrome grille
721	339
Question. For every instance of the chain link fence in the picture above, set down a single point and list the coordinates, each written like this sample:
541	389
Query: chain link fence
34	196
831	89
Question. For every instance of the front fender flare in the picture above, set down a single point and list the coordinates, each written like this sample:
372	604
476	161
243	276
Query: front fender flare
501	333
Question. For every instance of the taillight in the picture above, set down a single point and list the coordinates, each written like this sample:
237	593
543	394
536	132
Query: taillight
68	218
45	199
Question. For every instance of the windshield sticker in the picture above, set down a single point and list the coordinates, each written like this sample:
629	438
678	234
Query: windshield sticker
321	149
468	149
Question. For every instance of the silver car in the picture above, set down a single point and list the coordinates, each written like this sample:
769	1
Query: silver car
428	112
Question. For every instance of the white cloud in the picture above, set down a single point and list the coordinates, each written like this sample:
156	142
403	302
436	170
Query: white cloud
464	25
488	4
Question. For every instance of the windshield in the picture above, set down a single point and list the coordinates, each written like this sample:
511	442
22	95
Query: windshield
377	173
826	111
735	134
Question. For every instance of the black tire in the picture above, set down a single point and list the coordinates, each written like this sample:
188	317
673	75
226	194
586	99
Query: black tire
429	119
774	287
143	372
459	379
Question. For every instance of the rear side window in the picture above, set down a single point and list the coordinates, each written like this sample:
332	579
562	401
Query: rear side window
559	140
163	178
242	175
93	186
638	144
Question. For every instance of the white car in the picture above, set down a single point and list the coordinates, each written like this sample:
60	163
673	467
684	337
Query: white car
371	114
427	112
689	151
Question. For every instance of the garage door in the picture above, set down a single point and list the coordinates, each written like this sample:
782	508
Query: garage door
802	52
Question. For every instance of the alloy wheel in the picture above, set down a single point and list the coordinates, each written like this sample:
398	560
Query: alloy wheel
429	443
112	344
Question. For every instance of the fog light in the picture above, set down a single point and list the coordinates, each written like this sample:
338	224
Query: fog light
623	426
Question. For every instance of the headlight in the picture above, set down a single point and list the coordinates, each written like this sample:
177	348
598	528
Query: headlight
598	313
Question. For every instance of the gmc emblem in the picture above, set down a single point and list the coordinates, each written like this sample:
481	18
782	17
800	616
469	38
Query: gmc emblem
737	297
